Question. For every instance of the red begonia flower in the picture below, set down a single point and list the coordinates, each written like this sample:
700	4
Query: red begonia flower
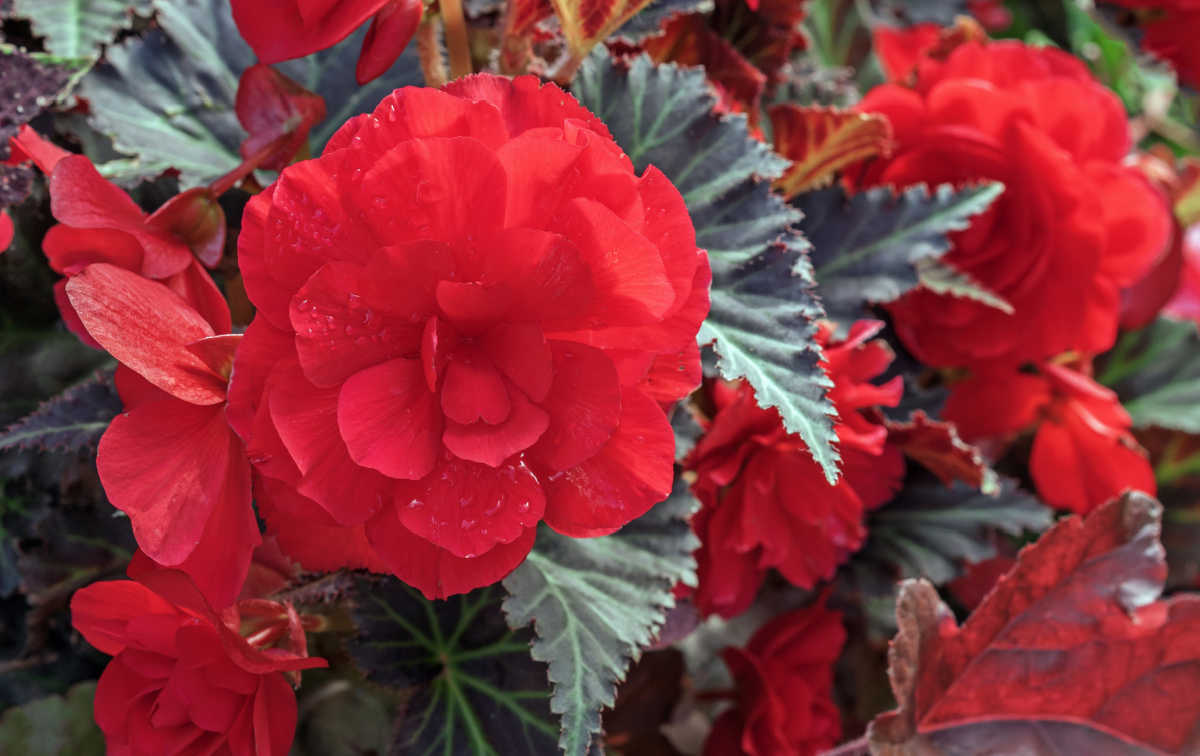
467	310
1185	303
171	461
1083	453
279	30
28	145
183	680
277	113
1073	227
762	493
784	679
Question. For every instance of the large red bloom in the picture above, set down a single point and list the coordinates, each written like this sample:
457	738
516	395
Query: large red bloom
784	679
170	461
1083	453
1169	31
766	503
470	308
279	30
1073	227
182	679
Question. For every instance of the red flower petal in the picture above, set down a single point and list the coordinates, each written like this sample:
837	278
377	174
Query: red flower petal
492	443
197	288
101	610
391	30
306	418
474	390
435	572
632	472
275	716
525	102
467	508
521	352
282	29
338	333
584	404
168	465
309	535
81	197
70	249
146	327
390	420
631	282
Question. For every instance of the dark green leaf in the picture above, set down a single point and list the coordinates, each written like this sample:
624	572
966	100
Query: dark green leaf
941	277
763	309
650	19
866	247
475	689
1156	373
75	29
595	603
929	529
53	726
73	420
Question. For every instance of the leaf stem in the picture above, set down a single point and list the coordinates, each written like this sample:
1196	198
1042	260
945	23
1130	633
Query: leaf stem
429	52
456	38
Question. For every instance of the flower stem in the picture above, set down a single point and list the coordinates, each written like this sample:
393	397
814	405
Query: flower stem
248	166
429	51
456	38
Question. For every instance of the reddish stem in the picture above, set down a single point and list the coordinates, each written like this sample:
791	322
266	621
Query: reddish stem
456	38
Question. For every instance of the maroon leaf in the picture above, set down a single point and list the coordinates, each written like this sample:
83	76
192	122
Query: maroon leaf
1071	653
936	446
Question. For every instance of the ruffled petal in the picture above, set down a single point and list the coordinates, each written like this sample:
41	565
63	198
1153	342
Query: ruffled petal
584	405
390	420
468	508
632	472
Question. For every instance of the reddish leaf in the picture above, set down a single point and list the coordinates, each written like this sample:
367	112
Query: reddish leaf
822	141
586	22
689	41
937	446
277	112
523	15
1071	652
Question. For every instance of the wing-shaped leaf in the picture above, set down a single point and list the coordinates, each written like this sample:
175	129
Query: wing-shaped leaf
1156	373
70	421
763	308
866	247
822	141
1071	652
475	690
76	29
929	529
595	603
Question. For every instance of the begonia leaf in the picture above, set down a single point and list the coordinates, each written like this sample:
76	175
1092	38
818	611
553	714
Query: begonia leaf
941	277
1156	374
866	247
596	603
474	688
763	309
53	726
76	29
929	528
822	141
166	99
71	421
937	446
1071	652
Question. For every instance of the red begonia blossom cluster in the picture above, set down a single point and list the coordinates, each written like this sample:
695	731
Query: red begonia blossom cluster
481	310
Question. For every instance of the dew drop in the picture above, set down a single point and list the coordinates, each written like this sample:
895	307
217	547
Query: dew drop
416	504
467	524
523	506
